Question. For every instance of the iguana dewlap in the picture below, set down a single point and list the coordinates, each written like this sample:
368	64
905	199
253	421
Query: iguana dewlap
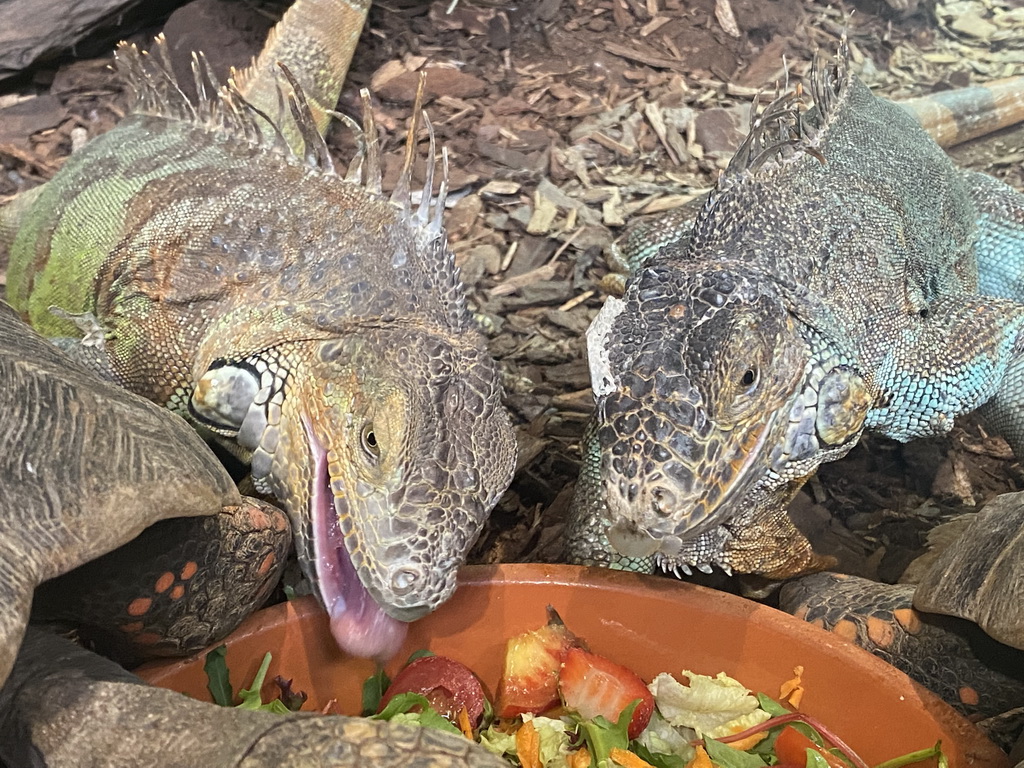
842	276
314	321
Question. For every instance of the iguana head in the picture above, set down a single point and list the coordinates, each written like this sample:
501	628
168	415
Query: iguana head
368	401
388	449
715	399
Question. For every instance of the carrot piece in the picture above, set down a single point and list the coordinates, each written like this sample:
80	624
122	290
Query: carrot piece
464	724
792	691
700	759
627	759
748	742
528	746
579	759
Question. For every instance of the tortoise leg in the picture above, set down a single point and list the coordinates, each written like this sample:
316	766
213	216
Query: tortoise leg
84	468
179	586
952	657
65	706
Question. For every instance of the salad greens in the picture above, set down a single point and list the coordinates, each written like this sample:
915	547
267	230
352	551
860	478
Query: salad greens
697	725
219	684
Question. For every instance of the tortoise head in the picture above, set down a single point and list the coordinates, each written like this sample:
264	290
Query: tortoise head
388	449
713	393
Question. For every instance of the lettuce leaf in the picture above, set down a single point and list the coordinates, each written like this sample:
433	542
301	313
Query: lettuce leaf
712	706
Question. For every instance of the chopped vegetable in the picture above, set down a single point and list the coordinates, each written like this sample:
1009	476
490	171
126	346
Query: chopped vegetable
373	691
413	708
700	759
579	759
593	685
792	747
292	699
528	745
253	699
628	759
218	679
464	724
792	691
608	717
529	677
447	685
712	706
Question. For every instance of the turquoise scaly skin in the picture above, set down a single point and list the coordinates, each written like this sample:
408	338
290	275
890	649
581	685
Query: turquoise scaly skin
842	276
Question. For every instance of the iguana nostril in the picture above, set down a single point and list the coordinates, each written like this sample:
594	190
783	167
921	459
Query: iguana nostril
404	580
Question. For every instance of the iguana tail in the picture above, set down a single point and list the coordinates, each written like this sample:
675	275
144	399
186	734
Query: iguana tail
953	117
315	40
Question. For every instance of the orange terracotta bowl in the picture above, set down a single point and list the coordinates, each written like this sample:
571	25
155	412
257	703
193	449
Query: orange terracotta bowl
650	624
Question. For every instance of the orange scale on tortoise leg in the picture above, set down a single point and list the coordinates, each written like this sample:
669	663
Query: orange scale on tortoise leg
139	606
164	582
267	564
846	629
968	696
880	632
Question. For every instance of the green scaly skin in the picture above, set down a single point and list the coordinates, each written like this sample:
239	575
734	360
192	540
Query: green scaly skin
313	321
843	276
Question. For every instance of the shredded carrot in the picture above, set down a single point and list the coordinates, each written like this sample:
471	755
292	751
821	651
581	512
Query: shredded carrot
701	759
464	724
748	742
627	759
578	759
792	691
528	746
331	708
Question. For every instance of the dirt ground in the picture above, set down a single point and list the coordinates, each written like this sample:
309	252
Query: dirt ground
565	120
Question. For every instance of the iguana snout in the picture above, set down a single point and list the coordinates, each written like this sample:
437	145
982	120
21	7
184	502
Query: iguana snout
388	450
713	397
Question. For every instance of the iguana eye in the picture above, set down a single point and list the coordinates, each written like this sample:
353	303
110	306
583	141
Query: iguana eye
223	395
368	438
749	379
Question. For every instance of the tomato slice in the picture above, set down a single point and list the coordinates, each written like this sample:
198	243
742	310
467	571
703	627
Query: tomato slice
447	684
791	748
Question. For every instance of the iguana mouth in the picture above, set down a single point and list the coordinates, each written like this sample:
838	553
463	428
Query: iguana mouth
358	622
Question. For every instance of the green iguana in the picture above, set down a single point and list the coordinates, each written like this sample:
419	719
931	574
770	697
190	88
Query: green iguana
842	276
315	322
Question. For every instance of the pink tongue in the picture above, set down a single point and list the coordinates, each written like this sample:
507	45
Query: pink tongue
358	623
368	634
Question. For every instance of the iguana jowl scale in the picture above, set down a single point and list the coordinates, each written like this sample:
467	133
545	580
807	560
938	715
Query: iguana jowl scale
310	318
842	276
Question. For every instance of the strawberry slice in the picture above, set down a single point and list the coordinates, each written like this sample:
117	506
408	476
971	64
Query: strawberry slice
593	685
529	677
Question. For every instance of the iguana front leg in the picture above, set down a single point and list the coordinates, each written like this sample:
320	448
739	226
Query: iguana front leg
999	246
981	340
